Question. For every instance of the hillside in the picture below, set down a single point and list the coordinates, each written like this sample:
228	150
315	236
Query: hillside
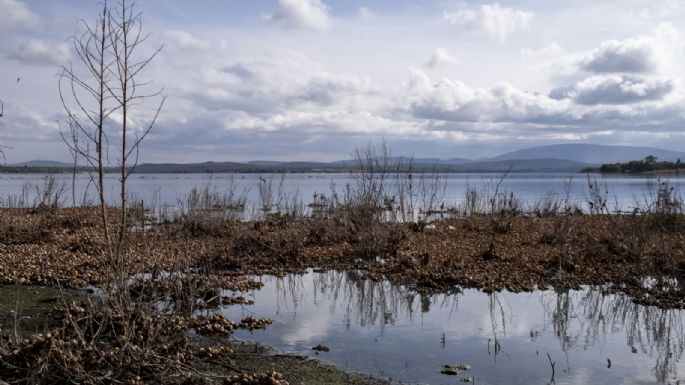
590	153
552	158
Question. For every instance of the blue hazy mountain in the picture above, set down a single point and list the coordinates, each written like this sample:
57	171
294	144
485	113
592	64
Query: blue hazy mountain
589	153
552	158
42	164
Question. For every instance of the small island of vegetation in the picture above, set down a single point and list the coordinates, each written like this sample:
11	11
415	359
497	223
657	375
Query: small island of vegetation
649	164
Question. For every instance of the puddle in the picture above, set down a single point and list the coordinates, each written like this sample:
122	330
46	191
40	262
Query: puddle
382	329
30	307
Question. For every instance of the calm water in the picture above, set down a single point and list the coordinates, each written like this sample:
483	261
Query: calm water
171	189
381	329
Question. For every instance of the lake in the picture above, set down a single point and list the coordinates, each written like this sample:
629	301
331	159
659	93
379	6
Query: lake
170	190
386	330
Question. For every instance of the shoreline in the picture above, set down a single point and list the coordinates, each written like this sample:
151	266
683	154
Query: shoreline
298	369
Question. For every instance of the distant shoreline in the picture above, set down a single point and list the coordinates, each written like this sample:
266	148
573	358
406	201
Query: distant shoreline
643	173
499	167
648	166
266	171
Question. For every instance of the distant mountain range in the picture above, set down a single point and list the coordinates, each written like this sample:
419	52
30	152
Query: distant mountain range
552	158
590	153
41	164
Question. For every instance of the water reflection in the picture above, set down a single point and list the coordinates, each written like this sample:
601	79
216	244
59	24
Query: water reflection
362	302
380	328
585	319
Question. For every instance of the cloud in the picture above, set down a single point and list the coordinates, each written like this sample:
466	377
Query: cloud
15	14
631	56
494	20
551	50
599	104
659	9
278	81
24	124
364	12
310	14
455	101
246	90
185	40
41	52
441	57
639	55
285	92
616	89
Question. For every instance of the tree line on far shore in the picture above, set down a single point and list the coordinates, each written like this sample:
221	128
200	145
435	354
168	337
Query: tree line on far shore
649	164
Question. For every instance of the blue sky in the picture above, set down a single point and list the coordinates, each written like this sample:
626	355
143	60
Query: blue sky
312	79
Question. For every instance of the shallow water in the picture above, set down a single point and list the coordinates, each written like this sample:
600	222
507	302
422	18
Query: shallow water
171	189
382	329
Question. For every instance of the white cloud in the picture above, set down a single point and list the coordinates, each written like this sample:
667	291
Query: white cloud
616	89
455	101
15	14
496	21
242	89
27	125
441	57
598	104
643	54
36	51
551	50
364	12
633	56
285	92
185	40
311	14
280	80
659	9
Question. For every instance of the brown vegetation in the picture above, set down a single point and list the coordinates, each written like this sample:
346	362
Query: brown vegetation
597	249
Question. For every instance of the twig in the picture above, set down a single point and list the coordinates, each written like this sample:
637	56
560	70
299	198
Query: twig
552	364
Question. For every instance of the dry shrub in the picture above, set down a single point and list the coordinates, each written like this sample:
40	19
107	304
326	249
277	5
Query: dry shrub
25	226
98	344
206	211
326	233
280	240
370	238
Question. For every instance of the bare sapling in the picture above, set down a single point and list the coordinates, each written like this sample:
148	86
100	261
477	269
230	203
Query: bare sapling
502	206
372	166
367	201
87	104
432	190
128	90
404	189
99	95
598	196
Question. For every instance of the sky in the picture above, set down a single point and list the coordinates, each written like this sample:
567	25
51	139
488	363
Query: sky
313	79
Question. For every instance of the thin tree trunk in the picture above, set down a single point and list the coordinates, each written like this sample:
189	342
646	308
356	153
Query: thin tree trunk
101	134
124	111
